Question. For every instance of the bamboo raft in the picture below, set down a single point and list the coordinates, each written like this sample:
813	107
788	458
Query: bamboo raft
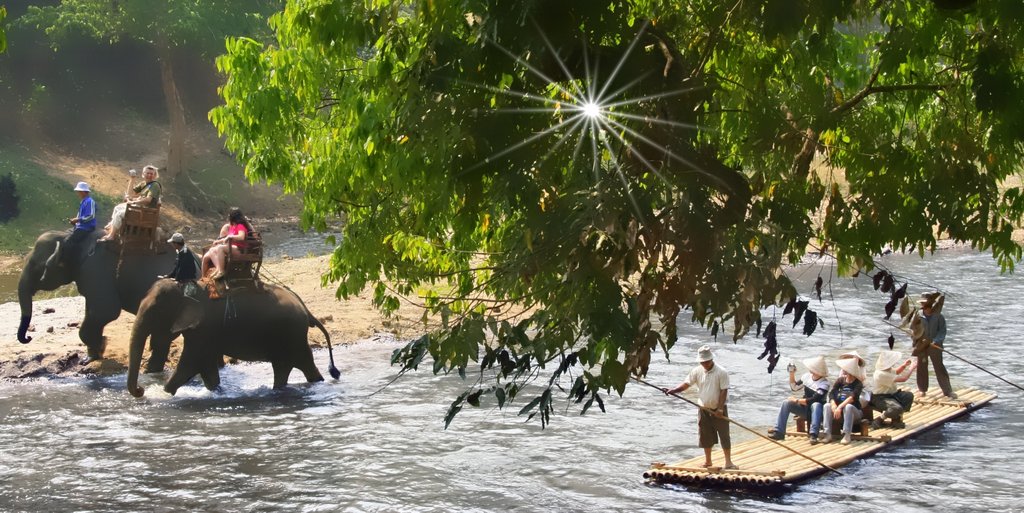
764	466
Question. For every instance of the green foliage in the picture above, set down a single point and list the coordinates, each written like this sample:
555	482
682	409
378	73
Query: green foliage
201	24
46	202
560	260
3	34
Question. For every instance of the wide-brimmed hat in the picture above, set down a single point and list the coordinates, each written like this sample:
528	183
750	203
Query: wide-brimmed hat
850	366
82	187
817	365
928	299
704	354
177	238
888	359
855	357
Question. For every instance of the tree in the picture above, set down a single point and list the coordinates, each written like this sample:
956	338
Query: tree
8	199
165	26
554	178
3	35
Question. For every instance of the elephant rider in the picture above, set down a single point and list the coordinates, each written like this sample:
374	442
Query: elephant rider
186	265
148	195
84	223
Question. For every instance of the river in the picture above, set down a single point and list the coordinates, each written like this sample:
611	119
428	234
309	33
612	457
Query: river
83	444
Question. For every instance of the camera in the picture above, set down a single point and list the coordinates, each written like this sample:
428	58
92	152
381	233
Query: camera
791	367
132	172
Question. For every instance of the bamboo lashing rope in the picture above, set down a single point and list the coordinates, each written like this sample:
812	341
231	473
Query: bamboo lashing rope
772	440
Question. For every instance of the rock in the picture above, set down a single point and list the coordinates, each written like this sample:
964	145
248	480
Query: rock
48	310
325	319
31	327
73	324
49	330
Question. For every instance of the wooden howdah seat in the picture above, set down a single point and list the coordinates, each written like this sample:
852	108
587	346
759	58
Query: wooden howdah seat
139	229
245	267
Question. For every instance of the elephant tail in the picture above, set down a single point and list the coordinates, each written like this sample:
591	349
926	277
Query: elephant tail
314	322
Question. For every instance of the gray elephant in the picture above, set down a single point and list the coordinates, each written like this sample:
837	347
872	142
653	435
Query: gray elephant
107	285
268	324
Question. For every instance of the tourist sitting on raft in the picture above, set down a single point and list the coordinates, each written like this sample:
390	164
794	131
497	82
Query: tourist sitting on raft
147	194
844	400
815	389
232	237
886	398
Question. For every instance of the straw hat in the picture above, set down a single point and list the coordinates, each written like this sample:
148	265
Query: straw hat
850	366
888	359
82	187
856	358
817	365
704	354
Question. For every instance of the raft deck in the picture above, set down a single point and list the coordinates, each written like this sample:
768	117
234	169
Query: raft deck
764	465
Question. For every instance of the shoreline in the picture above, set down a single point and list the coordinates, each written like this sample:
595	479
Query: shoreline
56	351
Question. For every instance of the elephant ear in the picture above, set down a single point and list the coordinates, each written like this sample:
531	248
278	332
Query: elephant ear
190	317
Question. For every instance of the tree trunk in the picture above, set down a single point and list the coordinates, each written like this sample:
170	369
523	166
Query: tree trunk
176	156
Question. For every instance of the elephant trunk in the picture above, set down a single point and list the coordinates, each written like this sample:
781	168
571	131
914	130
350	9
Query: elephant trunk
138	343
26	289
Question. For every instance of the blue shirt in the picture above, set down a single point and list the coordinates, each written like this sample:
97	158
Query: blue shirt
86	215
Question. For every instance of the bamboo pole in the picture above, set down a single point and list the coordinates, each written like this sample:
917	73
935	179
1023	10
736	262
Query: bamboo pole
742	426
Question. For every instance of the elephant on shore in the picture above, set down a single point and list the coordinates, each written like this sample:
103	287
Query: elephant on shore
107	286
270	324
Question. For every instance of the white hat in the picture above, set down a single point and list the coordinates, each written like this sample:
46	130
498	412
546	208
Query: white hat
817	365
82	187
704	354
850	366
888	359
177	237
854	356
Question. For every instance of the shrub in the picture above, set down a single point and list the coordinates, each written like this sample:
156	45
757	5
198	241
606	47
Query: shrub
8	199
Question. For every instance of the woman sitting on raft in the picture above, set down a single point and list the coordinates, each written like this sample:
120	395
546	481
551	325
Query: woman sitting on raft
232	237
844	400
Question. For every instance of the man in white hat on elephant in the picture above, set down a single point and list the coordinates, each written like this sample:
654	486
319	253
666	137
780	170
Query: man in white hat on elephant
844	400
712	382
886	397
932	327
815	389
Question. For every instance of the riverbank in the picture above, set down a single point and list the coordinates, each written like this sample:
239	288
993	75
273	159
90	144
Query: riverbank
55	349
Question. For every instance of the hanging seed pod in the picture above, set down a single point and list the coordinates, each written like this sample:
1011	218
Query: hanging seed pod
801	306
891	340
900	292
810	322
904	307
772	362
887	283
789	307
758	327
769	331
817	287
890	307
876	280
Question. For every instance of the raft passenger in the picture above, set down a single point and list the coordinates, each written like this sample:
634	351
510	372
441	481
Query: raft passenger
844	400
887	399
815	387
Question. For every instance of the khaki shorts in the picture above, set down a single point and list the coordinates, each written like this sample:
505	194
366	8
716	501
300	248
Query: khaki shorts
712	430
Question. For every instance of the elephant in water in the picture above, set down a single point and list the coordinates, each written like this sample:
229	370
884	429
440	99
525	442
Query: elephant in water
269	325
107	286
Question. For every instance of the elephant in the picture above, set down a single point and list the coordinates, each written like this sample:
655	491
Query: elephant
108	282
268	323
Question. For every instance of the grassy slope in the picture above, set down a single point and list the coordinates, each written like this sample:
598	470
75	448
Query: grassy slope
45	202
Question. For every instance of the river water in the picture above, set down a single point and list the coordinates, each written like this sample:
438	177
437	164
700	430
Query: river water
83	444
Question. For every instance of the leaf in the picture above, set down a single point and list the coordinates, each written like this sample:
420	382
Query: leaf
810	322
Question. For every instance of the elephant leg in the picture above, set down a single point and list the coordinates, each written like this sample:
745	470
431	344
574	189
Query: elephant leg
282	369
306	364
188	366
91	331
160	346
211	373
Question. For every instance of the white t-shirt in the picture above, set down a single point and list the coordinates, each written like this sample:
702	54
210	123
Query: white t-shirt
820	385
709	384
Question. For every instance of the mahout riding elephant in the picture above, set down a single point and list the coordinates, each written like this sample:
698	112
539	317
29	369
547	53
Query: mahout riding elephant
107	286
269	324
